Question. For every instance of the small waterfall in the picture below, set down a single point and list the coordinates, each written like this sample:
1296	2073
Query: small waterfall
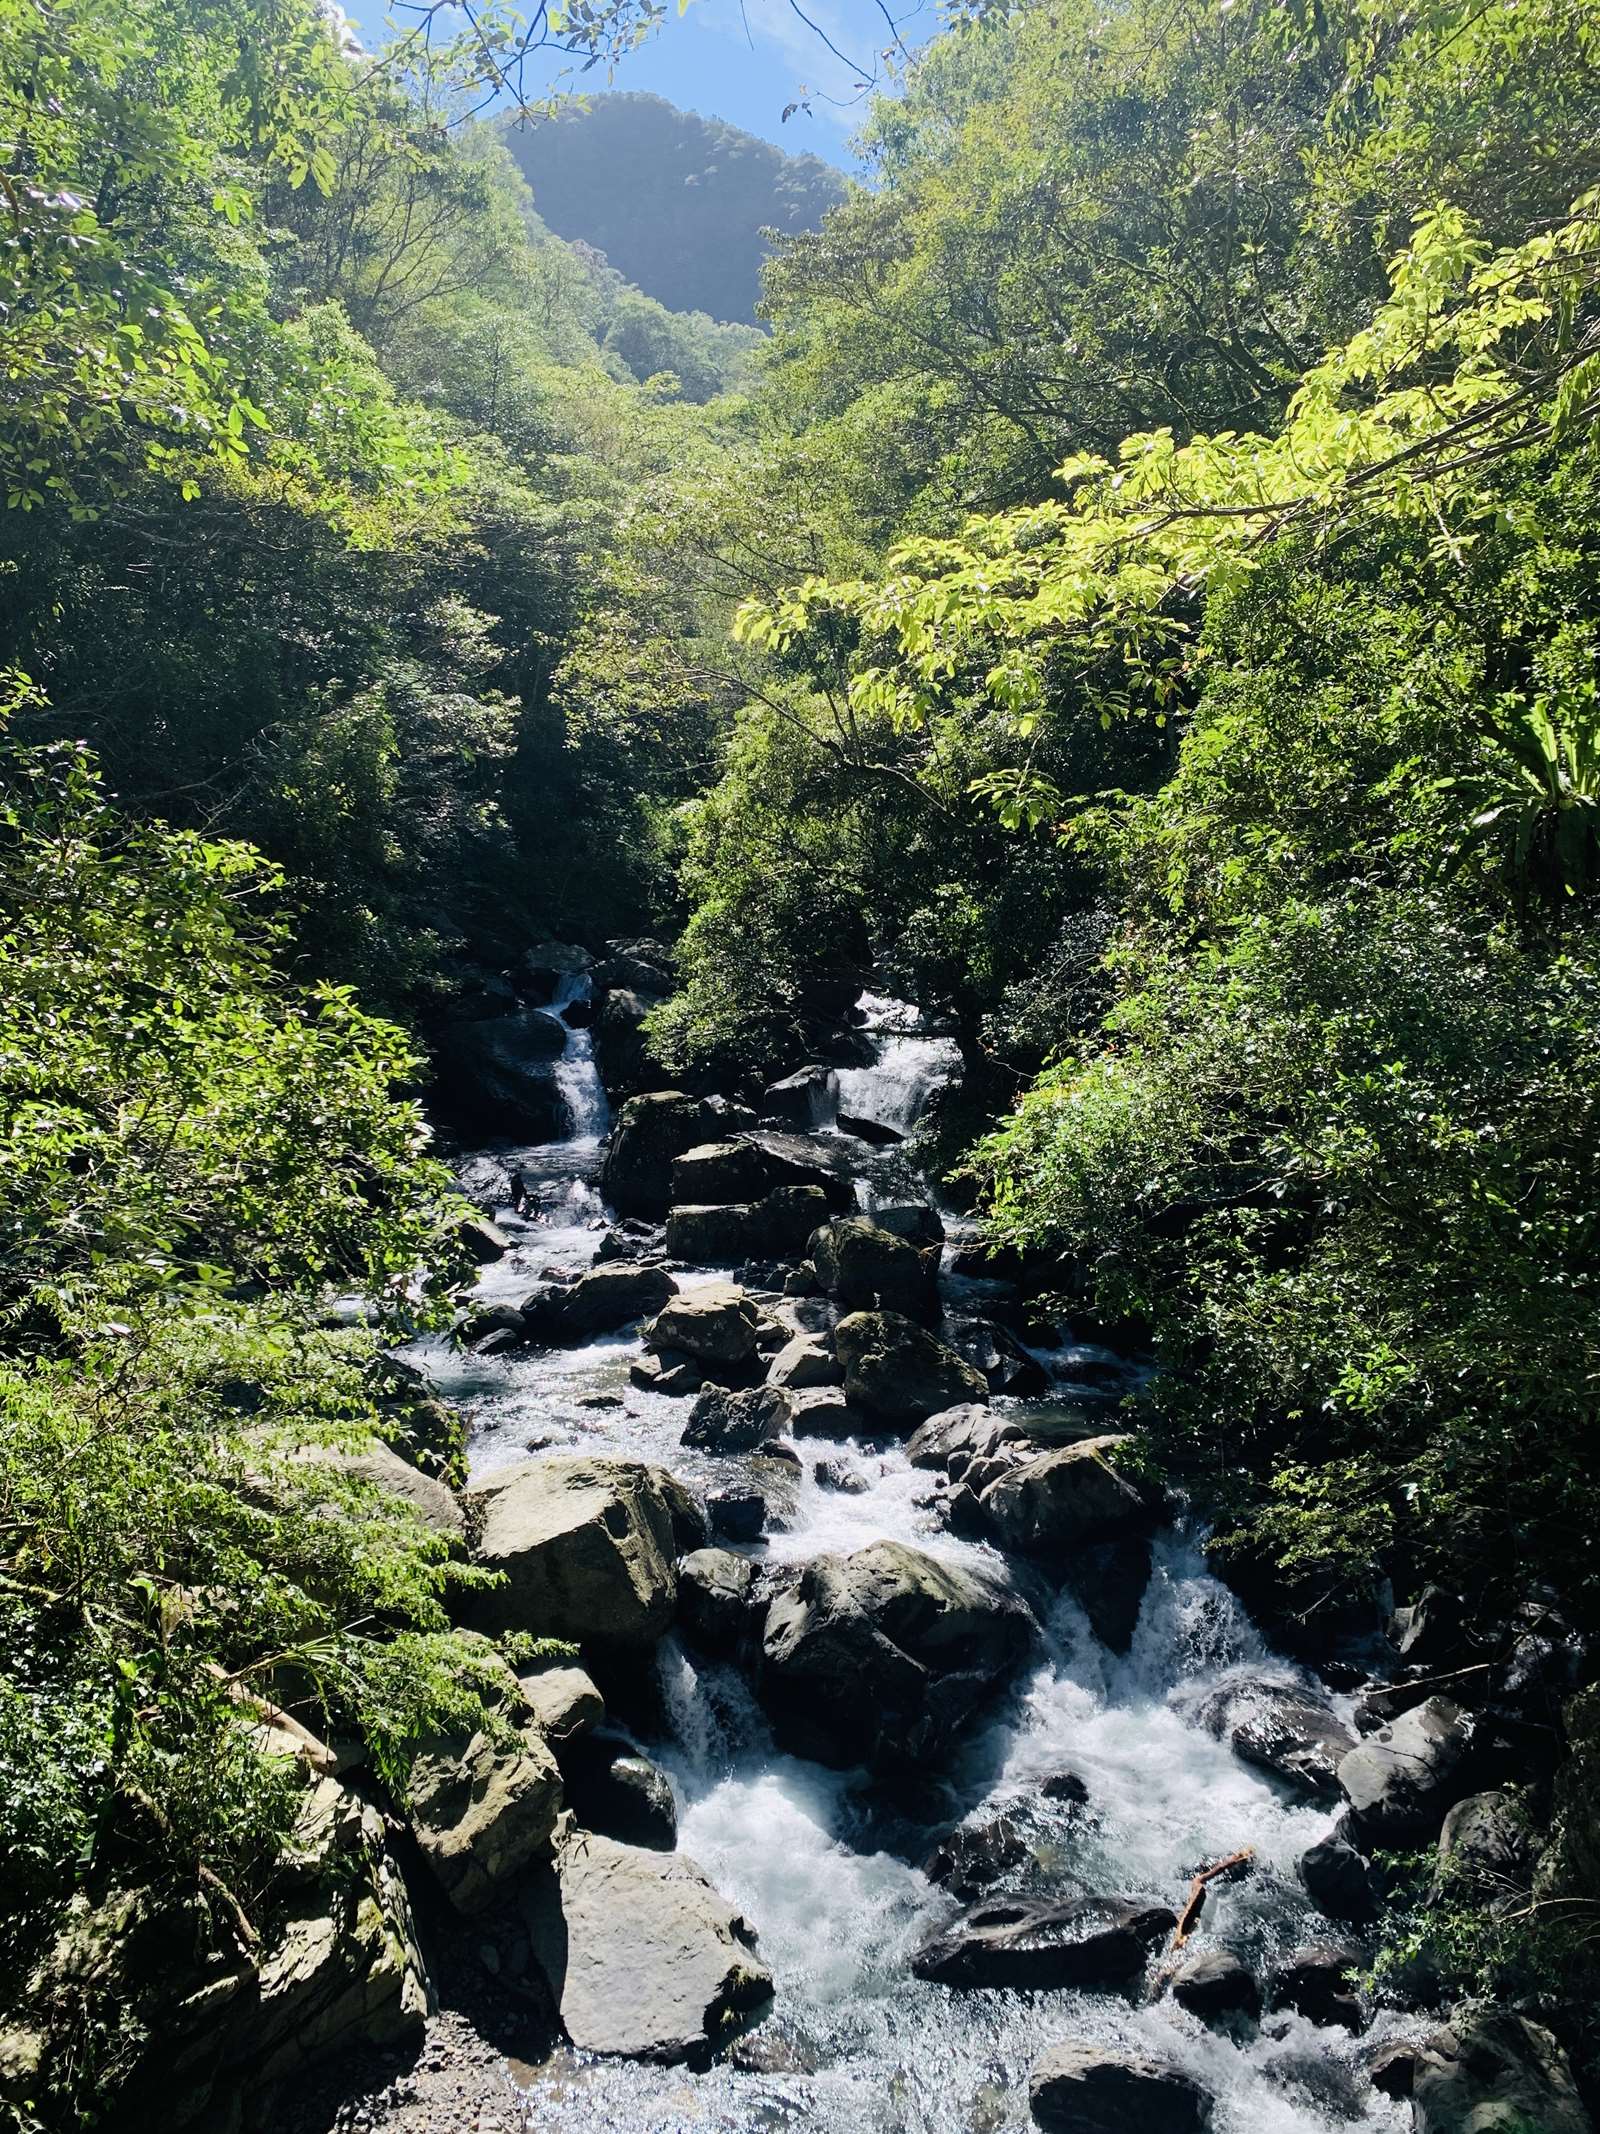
910	1066
576	1075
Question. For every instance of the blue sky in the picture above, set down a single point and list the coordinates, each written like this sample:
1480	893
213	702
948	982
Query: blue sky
746	63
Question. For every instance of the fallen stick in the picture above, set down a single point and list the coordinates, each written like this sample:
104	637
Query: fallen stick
1195	1901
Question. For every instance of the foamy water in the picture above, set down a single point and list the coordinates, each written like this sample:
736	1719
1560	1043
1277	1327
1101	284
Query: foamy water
827	1867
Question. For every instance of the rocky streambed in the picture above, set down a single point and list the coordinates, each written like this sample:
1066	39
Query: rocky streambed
912	1772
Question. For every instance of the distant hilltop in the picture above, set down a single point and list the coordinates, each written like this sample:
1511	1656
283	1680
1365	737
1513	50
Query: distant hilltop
677	203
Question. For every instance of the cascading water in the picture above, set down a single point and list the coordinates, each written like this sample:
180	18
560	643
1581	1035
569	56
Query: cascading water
825	1866
910	1066
577	1076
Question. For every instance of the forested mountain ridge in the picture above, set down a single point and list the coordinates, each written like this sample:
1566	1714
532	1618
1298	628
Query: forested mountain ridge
676	202
1138	605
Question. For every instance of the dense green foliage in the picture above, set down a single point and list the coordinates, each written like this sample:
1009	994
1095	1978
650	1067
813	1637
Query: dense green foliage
195	1149
679	204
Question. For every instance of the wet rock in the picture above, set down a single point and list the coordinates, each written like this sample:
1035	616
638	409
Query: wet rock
586	1546
1054	1503
824	1411
912	1220
719	1171
795	1160
1402	1780
621	1046
542	967
653	1130
1101	2089
496	1319
717	1235
606	1298
481	1810
1339	1881
1036	1946
737	1514
639	974
951	1440
1318	1982
1486	1854
898	1372
690	1527
1213	1983
1392	2068
1428	1633
864	1268
805	1362
563	1700
781	1222
1005	1363
726	1422
715	1598
619	1793
1064	1786
1284	1731
643	1957
840	1476
1110	1579
500	1074
805	1101
482	1240
671	1372
972	1859
1491	2073
714	1323
878	1657
870	1130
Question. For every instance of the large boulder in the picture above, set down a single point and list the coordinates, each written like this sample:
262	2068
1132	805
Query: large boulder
804	1363
600	1301
1486	1854
1037	1946
898	1372
951	1441
718	1172
714	1323
716	1235
802	1160
642	1956
805	1100
434	1502
716	1598
586	1547
499	1075
621	1046
1104	2089
723	1421
619	1793
337	1970
1495	2073
483	1808
653	1130
562	1699
1318	1981
547	964
1215	1984
878	1657
864	1268
1284	1731
1060	1500
1339	1881
1402	1780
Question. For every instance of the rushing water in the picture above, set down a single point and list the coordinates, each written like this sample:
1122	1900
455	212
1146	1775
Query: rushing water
910	1066
827	1870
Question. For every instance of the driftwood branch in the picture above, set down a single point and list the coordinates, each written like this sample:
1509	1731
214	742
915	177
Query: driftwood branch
1194	1903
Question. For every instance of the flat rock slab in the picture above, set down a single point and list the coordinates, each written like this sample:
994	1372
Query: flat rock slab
1043	1947
644	1958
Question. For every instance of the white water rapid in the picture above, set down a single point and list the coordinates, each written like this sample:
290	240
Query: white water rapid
826	1867
910	1066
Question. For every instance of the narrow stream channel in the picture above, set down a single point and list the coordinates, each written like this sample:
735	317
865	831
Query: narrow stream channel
823	1864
